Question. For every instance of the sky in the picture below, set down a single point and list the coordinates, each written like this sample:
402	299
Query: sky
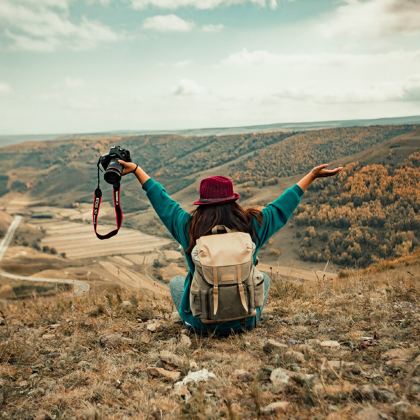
71	66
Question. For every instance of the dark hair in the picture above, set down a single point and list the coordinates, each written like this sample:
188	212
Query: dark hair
232	215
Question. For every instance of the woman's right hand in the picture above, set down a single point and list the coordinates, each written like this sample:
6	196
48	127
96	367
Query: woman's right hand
317	172
321	171
129	167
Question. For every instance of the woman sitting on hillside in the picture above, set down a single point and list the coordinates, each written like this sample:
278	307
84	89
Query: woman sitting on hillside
217	208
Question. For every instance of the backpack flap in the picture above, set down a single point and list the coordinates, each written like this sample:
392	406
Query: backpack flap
225	249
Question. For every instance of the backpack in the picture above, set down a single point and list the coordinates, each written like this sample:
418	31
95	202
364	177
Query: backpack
226	285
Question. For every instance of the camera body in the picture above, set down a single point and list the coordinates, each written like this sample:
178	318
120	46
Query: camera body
109	162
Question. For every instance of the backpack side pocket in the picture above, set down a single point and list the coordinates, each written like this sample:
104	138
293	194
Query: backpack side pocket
258	278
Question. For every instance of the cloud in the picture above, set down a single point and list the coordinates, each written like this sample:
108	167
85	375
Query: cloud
187	87
46	25
264	57
183	63
5	88
411	90
258	57
405	91
212	28
71	82
373	18
199	4
167	23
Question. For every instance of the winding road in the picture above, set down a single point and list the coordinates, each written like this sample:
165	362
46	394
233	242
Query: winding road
79	287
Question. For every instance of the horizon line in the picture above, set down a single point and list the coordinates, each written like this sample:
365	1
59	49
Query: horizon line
179	130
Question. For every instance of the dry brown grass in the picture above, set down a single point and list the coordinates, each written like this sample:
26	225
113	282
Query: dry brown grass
58	359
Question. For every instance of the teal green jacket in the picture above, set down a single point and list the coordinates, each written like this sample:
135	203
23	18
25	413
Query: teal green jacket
176	220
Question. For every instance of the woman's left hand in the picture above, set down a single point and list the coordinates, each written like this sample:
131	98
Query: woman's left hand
129	167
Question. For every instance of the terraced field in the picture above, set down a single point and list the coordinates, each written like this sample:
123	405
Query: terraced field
78	240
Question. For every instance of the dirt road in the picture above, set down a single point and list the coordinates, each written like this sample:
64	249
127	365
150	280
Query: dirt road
9	235
79	287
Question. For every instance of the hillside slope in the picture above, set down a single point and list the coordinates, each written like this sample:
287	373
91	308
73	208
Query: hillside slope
339	349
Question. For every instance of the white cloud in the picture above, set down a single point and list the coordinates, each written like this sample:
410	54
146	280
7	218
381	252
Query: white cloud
199	4
258	57
187	87
373	17
212	28
263	57
46	25
328	78
183	63
167	23
5	88
71	82
404	91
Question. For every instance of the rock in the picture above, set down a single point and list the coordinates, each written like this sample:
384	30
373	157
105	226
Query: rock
154	325
126	304
54	326
305	349
242	375
397	357
370	392
337	365
185	341
370	413
182	391
48	336
278	406
48	384
172	360
2	321
279	378
202	375
175	317
167	375
273	346
296	356
84	365
114	340
330	344
401	407
313	342
193	365
37	392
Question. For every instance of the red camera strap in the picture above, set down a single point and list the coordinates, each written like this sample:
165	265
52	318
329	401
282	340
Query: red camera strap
97	199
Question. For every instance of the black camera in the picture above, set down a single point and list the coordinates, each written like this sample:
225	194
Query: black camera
109	162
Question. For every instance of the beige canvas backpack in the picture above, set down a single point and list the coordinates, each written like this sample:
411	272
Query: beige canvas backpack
226	285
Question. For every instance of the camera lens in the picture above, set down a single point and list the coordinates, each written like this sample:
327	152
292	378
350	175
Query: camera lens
113	172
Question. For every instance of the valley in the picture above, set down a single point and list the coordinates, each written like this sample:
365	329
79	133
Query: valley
53	194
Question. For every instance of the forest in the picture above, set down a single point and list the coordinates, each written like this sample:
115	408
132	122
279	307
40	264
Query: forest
368	213
300	152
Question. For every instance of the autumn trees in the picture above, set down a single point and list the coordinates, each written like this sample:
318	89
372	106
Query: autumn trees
372	212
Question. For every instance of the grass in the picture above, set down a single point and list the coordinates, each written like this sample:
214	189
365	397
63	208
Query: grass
87	357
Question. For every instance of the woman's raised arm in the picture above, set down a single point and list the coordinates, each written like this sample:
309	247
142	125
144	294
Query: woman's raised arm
173	216
131	167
